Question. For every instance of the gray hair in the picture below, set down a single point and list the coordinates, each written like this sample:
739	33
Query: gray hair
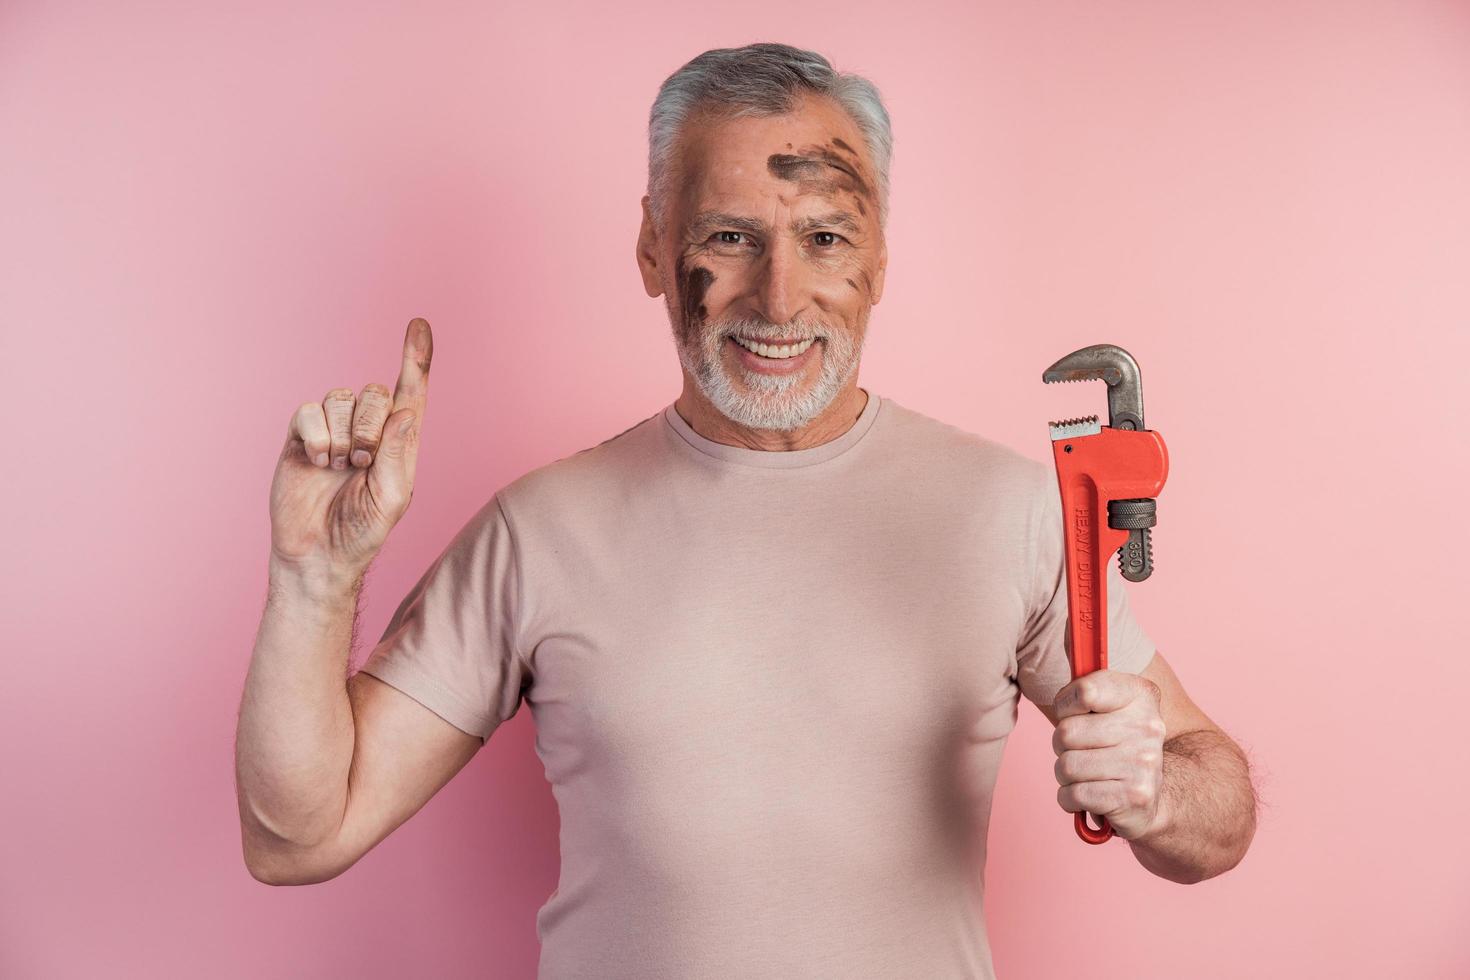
759	80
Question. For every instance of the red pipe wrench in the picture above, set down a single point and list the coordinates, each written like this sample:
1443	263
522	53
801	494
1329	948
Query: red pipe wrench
1111	471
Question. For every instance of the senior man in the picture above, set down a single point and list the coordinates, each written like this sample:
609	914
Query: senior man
773	636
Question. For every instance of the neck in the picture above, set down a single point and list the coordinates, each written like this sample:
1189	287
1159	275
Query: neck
708	421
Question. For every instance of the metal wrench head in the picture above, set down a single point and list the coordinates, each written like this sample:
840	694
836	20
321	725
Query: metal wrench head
1110	363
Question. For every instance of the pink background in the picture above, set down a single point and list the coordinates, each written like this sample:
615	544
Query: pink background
214	212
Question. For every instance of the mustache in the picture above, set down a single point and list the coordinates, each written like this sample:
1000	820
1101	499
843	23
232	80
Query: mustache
759	328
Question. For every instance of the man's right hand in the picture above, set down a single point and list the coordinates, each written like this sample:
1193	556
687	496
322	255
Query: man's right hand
345	475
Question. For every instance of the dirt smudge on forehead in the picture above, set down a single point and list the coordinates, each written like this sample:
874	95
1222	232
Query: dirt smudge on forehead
820	170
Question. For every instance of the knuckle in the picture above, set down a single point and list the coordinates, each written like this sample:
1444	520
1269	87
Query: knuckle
338	395
1138	793
367	427
373	391
1066	733
1157	728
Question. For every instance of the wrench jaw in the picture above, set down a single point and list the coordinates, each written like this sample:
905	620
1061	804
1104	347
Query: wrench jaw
1114	365
1087	425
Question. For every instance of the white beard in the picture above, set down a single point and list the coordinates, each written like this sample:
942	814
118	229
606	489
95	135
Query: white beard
766	401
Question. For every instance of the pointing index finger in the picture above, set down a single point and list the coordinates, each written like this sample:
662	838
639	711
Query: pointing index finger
413	376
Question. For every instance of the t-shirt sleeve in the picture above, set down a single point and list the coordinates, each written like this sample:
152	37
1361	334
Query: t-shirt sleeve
452	643
1043	666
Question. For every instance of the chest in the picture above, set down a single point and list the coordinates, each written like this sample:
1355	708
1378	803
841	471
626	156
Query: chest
884	639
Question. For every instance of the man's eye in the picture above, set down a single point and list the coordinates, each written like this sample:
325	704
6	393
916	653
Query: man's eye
835	238
729	241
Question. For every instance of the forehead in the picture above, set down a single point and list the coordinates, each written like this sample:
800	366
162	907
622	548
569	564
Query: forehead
727	160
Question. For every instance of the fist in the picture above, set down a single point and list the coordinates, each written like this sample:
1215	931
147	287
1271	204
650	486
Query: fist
1109	742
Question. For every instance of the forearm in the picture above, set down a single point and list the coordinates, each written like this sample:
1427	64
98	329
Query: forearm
294	742
1207	810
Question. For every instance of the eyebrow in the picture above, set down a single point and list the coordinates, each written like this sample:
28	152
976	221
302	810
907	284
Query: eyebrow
707	220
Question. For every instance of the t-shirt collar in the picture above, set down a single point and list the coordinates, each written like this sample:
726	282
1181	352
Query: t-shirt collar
782	459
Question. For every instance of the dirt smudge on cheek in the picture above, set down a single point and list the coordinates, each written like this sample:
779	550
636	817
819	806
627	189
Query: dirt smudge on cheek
700	280
693	283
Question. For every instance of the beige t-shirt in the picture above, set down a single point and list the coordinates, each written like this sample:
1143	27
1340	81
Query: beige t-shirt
770	689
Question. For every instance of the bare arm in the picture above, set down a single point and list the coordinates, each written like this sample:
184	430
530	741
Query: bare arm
1207	806
327	766
293	744
1207	801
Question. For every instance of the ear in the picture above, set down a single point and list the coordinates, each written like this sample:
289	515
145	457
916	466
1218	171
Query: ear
647	253
878	276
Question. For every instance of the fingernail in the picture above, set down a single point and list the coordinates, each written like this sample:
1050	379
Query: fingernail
360	457
321	459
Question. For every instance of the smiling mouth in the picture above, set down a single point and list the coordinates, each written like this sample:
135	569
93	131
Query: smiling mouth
775	351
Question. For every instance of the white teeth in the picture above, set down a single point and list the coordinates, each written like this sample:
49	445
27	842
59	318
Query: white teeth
775	353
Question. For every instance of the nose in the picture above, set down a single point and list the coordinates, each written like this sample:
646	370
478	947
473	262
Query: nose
783	286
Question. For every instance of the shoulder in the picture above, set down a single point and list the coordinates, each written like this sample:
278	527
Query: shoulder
605	469
964	459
